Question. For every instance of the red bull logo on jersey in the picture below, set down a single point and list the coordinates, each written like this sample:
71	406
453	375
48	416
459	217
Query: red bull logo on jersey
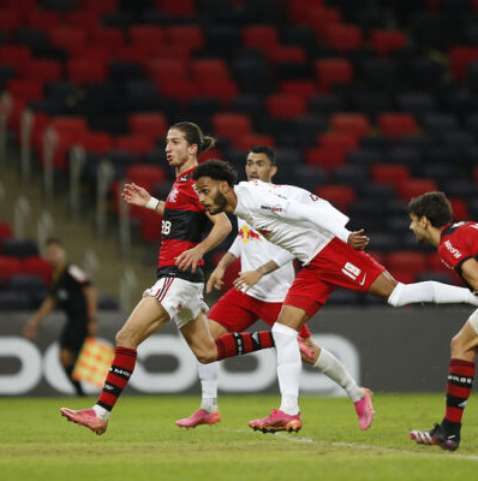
247	234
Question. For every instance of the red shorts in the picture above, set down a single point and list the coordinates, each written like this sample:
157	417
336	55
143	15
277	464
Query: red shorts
236	311
337	265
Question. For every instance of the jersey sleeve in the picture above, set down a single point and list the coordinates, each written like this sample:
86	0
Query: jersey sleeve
79	275
459	247
282	257
236	247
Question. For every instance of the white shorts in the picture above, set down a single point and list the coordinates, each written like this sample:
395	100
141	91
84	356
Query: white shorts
182	300
473	320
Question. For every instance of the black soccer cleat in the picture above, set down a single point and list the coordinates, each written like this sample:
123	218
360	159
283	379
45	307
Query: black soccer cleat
437	437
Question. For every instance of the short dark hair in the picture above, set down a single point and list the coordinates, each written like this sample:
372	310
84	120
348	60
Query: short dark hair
216	170
263	149
53	241
194	135
434	206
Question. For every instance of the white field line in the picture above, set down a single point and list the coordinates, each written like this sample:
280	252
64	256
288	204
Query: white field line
294	438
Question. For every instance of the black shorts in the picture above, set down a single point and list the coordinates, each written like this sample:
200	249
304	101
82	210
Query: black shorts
73	336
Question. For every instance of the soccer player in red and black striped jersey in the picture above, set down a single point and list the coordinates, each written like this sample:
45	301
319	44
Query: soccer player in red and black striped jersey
431	218
178	292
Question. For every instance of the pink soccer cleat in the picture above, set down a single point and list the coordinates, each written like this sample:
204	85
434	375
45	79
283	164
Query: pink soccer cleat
364	409
277	421
306	351
201	416
87	418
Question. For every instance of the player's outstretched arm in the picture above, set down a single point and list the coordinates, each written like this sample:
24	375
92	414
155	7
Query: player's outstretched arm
215	280
247	279
322	217
133	194
220	230
469	269
31	328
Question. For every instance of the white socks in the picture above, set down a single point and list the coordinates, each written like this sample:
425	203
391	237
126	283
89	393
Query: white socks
289	365
209	375
101	412
430	291
335	370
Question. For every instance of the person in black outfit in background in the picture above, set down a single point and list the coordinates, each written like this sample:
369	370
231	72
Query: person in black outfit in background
72	292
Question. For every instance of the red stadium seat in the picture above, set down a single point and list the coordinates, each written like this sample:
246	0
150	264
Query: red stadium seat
9	266
209	69
344	38
210	154
414	187
26	89
10	19
101	8
339	140
329	158
16	56
150	224
299	10
396	125
88	21
146	37
339	195
302	88
460	209
112	38
356	124
286	106
231	126
182	90
287	54
260	37
36	266
97	142
135	144
247	141
177	8
408	261
190	36
152	125
385	42
333	71
168	69
67	131
71	39
459	60
224	90
44	70
320	18
84	71
390	174
5	230
43	20
146	175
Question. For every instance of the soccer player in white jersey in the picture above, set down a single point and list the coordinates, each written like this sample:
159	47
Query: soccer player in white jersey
241	306
314	232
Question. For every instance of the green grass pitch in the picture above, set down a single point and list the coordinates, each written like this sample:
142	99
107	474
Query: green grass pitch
143	443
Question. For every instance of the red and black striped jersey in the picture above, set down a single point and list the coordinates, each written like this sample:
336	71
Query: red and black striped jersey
184	221
458	243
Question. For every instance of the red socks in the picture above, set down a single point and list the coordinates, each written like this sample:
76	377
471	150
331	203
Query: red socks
238	343
460	380
118	377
